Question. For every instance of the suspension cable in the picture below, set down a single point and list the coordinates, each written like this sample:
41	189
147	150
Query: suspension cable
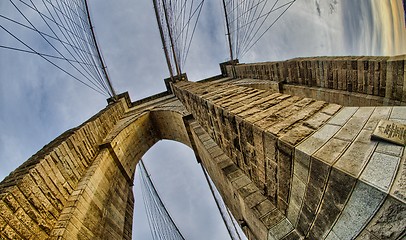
222	212
247	21
98	51
62	33
177	22
161	223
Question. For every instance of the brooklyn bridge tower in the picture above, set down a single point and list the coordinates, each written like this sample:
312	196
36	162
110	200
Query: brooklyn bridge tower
305	148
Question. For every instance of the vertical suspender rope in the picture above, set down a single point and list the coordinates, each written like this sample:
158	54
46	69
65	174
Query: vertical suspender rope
158	198
178	70
217	203
161	33
113	92
228	31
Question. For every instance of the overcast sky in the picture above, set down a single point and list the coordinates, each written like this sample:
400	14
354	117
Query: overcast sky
37	102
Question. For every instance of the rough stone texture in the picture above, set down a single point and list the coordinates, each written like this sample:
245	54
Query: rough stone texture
389	222
38	191
361	206
287	167
348	81
281	122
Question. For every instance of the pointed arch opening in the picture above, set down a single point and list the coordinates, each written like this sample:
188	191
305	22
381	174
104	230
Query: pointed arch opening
182	187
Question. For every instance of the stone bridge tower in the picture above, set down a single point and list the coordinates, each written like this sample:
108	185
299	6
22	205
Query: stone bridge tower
288	145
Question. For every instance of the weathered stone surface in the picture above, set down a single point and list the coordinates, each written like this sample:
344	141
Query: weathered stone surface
380	170
343	115
280	230
367	236
362	205
318	139
264	208
390	221
390	131
272	218
332	150
399	187
292	236
389	149
354	159
337	192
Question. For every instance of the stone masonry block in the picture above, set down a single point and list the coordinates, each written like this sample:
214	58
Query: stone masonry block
338	190
280	230
343	115
305	219
297	134
332	150
365	235
355	124
283	126
317	120
301	165
3	223
284	147
293	213
297	192
282	205
38	199
270	142
315	141
18	227
10	233
398	188
57	179
27	221
380	170
264	208
389	222
51	193
319	173
378	114
11	202
272	180
389	149
362	205
247	190
355	158
254	199
284	175
398	112
294	235
269	110
272	218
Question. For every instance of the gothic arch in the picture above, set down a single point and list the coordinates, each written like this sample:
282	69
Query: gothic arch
139	130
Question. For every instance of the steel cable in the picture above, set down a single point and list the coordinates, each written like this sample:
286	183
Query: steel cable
61	33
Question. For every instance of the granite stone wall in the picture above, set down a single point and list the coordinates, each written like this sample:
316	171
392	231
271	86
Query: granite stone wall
348	81
287	144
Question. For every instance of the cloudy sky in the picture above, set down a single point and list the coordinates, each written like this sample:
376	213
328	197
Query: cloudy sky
37	102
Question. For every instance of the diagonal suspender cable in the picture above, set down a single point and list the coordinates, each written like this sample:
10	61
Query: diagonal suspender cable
223	212
62	33
247	21
161	223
